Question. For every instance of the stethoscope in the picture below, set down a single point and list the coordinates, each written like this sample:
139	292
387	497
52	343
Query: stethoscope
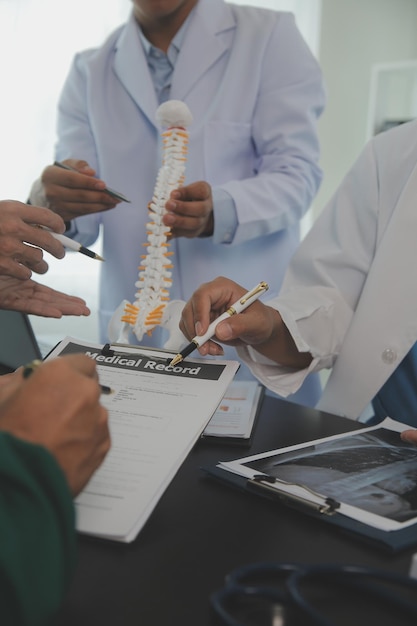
240	586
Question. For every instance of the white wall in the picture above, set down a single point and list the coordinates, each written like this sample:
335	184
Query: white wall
307	15
354	35
38	39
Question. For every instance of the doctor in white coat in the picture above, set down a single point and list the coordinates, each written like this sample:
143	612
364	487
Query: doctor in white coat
349	299
255	92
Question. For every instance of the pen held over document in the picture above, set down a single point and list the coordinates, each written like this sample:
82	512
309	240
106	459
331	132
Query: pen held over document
29	368
239	306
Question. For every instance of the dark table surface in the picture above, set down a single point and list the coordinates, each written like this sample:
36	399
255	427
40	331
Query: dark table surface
202	529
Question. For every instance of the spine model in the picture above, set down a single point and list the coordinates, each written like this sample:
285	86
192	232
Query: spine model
155	276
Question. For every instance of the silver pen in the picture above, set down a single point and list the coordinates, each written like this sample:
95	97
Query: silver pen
111	192
239	306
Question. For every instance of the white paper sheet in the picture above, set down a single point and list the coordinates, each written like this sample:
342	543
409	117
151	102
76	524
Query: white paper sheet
156	415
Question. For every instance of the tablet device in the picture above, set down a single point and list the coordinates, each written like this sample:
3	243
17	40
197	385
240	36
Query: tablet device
18	344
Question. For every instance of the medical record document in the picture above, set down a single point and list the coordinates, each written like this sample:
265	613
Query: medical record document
156	414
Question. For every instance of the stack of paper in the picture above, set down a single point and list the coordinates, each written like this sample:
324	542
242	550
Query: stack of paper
236	413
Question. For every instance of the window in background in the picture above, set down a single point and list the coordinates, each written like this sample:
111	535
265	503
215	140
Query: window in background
38	39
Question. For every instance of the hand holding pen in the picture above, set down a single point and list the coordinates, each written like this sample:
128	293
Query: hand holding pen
29	368
72	190
205	303
21	244
111	192
56	405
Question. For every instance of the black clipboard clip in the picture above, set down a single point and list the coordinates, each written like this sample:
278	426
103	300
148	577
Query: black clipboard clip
269	485
117	349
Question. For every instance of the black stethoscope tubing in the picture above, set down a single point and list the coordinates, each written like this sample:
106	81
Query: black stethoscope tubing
362	578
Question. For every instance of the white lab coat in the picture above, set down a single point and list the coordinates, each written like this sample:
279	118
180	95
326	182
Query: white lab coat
350	295
255	92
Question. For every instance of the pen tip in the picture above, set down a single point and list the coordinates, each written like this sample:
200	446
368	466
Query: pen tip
98	257
176	359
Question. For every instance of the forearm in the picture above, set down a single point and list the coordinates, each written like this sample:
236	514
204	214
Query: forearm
280	345
312	324
37	528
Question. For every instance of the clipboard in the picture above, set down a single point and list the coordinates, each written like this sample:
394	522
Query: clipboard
391	542
398	534
156	414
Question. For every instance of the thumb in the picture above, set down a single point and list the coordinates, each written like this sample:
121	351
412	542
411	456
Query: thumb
224	331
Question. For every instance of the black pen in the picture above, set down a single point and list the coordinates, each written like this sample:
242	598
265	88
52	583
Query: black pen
111	192
106	390
29	368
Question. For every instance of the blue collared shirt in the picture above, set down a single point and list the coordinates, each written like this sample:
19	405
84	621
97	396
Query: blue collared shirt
161	65
398	397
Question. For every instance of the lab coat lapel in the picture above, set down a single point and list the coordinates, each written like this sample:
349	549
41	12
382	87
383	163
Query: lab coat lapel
202	45
131	67
385	322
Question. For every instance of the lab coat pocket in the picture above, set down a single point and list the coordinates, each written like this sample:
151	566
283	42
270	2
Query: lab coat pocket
228	151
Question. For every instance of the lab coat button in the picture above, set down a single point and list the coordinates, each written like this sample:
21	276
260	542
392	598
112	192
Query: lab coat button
389	356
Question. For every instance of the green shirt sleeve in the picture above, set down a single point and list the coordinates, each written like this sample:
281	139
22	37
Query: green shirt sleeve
37	534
